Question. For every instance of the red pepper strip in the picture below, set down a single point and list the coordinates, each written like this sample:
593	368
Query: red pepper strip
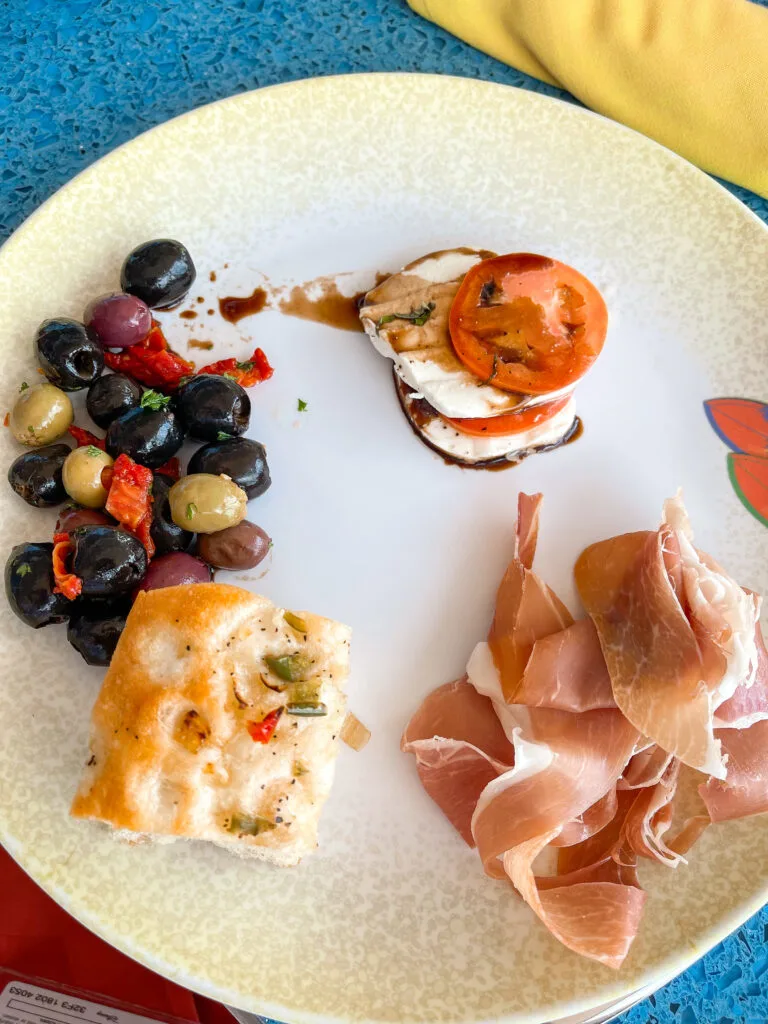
66	583
130	499
156	339
255	370
143	533
151	362
7	420
260	366
171	468
263	731
85	437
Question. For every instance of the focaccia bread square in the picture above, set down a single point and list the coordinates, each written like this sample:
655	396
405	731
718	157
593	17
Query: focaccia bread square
175	748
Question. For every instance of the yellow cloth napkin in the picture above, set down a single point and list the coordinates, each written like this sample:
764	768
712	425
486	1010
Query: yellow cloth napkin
692	74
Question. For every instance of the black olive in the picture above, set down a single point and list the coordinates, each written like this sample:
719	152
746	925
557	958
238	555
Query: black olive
29	586
238	457
164	532
69	353
36	476
212	405
149	436
160	273
109	561
95	627
110	396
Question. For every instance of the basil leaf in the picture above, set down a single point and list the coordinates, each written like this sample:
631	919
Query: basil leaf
418	317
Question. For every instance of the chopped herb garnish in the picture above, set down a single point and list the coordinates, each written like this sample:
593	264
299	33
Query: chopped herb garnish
92	451
302	405
244	366
31	430
154	400
24	386
418	317
191	509
224	436
24	569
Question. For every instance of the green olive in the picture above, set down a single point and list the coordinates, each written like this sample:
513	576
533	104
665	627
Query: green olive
41	414
81	475
204	503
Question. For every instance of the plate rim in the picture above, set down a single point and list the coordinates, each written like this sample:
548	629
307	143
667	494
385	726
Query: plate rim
653	979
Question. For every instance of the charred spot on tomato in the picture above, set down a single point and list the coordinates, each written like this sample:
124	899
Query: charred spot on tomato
488	292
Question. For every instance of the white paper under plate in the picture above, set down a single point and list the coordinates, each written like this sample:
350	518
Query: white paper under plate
393	919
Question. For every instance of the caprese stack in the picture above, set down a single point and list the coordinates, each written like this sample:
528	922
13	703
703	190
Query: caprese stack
487	350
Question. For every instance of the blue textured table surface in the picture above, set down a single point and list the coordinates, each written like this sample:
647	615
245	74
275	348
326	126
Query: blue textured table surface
79	77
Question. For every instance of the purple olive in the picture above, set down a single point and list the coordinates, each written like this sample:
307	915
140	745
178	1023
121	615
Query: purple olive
73	516
119	320
238	547
173	569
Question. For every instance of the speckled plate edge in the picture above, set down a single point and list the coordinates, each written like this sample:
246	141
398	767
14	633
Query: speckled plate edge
654	978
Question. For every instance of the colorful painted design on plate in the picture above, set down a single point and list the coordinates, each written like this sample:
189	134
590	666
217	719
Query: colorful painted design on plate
749	476
742	424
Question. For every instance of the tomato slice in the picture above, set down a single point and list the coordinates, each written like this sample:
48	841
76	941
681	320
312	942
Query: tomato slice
510	422
527	323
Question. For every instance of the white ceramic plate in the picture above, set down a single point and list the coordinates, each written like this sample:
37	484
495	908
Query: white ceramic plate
393	919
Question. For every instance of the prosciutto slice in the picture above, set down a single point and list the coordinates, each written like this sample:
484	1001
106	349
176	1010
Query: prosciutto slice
745	789
566	767
646	768
526	609
603	845
676	631
589	822
564	764
749	704
595	911
649	817
551	690
460	746
566	670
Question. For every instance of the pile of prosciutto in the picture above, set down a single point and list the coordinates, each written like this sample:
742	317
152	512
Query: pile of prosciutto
558	754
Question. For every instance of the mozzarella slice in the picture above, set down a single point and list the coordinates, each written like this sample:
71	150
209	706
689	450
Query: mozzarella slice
469	450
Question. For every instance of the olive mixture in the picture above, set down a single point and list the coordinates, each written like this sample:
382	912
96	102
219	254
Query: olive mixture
134	522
